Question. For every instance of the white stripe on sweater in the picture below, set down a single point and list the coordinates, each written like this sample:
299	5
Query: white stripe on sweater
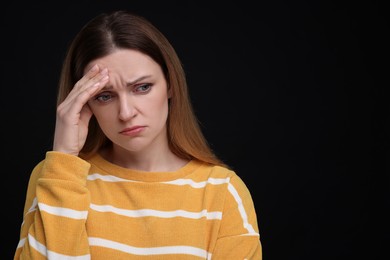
179	182
63	212
107	178
53	255
202	184
157	213
241	209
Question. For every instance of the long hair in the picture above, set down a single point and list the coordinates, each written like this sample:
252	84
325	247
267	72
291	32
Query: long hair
122	29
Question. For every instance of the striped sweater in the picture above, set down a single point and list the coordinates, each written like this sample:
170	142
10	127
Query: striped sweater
78	209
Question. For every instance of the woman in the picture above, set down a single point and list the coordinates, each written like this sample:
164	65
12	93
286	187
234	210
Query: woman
131	175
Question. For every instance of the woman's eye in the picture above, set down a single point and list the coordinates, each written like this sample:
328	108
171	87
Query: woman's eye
103	97
143	88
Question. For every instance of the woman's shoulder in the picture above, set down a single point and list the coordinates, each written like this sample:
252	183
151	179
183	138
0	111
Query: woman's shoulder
216	170
35	173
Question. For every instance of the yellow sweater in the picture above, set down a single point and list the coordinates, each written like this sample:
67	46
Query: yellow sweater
77	209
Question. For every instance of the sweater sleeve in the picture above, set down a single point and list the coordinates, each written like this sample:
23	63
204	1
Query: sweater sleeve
56	209
239	234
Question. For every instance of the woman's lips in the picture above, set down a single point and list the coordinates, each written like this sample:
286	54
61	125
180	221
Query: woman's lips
132	130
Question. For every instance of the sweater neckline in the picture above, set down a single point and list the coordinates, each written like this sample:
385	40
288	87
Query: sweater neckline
130	174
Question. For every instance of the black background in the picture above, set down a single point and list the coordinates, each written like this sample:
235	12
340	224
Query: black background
291	94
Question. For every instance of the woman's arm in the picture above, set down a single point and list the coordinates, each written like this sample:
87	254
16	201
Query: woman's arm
238	236
56	210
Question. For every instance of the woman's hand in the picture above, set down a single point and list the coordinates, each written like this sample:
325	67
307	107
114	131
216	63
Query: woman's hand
73	114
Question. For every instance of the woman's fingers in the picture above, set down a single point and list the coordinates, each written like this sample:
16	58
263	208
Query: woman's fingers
86	87
73	114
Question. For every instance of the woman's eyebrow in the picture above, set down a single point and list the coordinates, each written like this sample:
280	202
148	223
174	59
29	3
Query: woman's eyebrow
137	80
128	84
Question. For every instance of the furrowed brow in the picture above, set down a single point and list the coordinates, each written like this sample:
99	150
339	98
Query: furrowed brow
128	84
137	80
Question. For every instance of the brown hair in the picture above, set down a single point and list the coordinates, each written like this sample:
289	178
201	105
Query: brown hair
124	30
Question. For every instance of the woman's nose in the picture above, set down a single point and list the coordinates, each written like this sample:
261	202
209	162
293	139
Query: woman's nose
126	109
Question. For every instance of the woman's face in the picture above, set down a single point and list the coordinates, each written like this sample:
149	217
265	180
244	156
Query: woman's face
132	108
